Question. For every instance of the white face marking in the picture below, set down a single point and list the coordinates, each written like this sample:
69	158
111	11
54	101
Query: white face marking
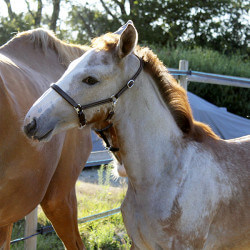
89	65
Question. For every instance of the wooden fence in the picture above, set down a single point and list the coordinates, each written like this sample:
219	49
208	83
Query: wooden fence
184	76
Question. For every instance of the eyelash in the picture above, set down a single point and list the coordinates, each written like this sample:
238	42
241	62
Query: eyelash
90	80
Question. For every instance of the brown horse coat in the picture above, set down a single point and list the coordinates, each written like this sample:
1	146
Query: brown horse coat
32	174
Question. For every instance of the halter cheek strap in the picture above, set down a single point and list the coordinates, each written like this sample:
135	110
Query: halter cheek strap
78	108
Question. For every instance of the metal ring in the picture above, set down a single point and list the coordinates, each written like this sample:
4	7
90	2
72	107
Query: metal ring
78	108
114	99
130	83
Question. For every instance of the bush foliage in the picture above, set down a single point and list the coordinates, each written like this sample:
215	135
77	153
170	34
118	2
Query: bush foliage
236	100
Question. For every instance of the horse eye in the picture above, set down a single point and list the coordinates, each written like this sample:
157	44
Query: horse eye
90	80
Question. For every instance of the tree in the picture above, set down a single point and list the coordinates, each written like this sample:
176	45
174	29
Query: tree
89	23
55	14
227	32
10	12
36	15
214	24
32	19
9	27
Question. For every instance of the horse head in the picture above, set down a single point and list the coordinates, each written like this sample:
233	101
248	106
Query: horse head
91	82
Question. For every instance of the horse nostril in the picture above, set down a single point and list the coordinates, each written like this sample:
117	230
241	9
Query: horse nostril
31	128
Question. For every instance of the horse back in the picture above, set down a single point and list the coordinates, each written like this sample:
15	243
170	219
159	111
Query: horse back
232	215
26	72
237	152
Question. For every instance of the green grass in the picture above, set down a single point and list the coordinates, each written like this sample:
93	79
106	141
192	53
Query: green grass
205	60
106	233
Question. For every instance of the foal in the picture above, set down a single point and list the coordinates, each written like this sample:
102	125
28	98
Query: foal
187	188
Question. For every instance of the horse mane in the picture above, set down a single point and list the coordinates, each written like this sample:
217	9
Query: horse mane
45	39
172	93
174	96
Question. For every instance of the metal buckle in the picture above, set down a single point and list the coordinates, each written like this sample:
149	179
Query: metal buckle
114	99
81	115
78	108
130	83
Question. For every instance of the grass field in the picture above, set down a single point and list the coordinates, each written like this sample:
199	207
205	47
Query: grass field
107	233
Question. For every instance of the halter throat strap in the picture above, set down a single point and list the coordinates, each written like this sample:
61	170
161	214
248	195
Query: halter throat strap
101	133
113	99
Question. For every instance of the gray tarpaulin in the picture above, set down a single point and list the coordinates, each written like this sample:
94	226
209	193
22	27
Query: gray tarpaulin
223	123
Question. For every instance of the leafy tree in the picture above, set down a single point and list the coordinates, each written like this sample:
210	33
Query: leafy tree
89	24
9	27
36	15
15	23
215	24
227	32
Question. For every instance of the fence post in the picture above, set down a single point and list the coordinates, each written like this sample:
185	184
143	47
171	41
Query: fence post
30	228
183	65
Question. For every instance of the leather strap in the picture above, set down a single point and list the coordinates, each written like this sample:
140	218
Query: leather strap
130	83
64	95
78	108
101	133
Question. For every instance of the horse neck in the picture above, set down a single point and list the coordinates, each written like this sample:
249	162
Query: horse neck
147	133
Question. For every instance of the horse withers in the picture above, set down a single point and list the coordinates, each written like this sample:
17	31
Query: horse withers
31	173
187	188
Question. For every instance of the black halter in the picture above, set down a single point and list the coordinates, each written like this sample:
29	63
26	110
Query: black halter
113	99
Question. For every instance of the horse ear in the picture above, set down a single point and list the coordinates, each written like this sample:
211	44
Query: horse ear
122	28
128	40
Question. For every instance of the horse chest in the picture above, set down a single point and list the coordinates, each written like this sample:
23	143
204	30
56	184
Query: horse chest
146	222
158	220
139	223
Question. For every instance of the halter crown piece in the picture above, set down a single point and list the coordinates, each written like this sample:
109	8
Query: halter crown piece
113	99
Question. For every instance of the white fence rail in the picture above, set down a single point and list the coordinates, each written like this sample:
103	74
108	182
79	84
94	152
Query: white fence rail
184	76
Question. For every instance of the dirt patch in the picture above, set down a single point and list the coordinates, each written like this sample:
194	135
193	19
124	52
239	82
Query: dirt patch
92	189
90	175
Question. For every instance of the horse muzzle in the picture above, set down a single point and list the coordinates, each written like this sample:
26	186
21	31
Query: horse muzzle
36	132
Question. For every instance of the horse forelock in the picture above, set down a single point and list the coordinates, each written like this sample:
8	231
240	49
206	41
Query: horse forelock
45	39
105	42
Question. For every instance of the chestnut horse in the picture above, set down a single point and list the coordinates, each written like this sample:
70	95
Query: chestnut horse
188	189
32	174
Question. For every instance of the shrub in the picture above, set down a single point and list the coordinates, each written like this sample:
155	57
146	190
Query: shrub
236	100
